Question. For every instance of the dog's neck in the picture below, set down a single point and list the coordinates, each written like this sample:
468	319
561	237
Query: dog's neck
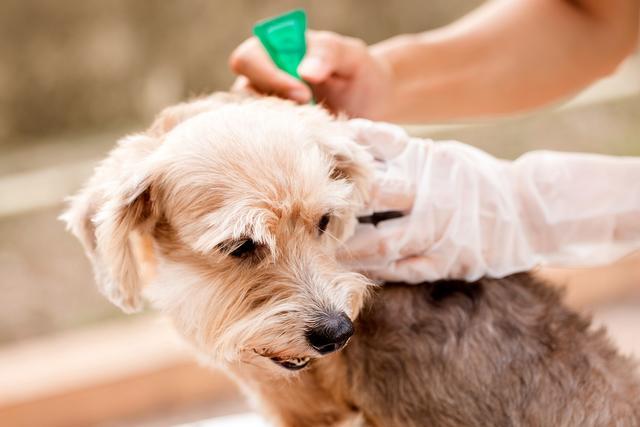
314	397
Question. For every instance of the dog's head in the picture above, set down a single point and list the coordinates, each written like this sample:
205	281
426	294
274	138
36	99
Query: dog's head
227	216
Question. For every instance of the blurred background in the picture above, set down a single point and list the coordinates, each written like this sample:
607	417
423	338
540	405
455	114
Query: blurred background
77	75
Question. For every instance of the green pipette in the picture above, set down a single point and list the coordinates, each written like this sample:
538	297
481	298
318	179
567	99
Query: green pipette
284	39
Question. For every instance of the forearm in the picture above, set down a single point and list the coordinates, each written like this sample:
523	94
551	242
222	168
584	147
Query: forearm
508	56
576	208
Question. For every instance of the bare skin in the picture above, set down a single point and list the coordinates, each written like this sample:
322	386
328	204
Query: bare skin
505	57
586	288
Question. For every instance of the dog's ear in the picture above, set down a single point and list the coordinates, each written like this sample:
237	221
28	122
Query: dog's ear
118	204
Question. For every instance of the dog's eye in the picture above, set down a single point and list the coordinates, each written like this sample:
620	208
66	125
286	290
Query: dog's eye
246	247
324	222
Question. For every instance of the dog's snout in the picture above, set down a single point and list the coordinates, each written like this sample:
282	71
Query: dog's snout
331	333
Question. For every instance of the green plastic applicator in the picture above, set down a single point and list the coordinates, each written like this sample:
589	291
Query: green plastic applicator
284	39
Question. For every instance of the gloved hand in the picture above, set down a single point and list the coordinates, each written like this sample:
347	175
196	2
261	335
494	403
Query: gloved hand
467	214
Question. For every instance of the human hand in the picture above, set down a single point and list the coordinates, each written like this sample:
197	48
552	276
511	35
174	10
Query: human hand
457	213
467	214
342	73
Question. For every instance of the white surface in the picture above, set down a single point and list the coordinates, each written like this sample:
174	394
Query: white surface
242	420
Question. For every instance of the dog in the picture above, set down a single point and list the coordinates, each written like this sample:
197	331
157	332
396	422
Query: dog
227	214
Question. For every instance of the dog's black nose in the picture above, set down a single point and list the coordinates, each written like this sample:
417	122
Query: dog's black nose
330	333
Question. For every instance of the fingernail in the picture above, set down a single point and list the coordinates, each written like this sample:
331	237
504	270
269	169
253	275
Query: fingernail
299	95
312	66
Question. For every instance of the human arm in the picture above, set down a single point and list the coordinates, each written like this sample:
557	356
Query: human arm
506	56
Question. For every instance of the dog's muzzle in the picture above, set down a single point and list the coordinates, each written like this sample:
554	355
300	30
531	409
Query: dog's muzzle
330	333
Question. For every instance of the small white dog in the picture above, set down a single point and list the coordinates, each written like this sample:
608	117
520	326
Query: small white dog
230	224
226	215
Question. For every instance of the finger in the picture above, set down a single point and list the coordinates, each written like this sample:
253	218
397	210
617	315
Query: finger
376	246
390	193
330	54
252	61
412	269
367	247
384	140
243	85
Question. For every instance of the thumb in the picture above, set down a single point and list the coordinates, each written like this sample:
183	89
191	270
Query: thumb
374	246
330	53
316	66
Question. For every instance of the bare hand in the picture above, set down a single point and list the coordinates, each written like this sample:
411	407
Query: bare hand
342	73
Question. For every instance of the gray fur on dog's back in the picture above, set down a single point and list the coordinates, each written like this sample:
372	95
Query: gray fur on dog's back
494	353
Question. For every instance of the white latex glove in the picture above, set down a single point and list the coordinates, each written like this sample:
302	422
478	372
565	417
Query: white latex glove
468	214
